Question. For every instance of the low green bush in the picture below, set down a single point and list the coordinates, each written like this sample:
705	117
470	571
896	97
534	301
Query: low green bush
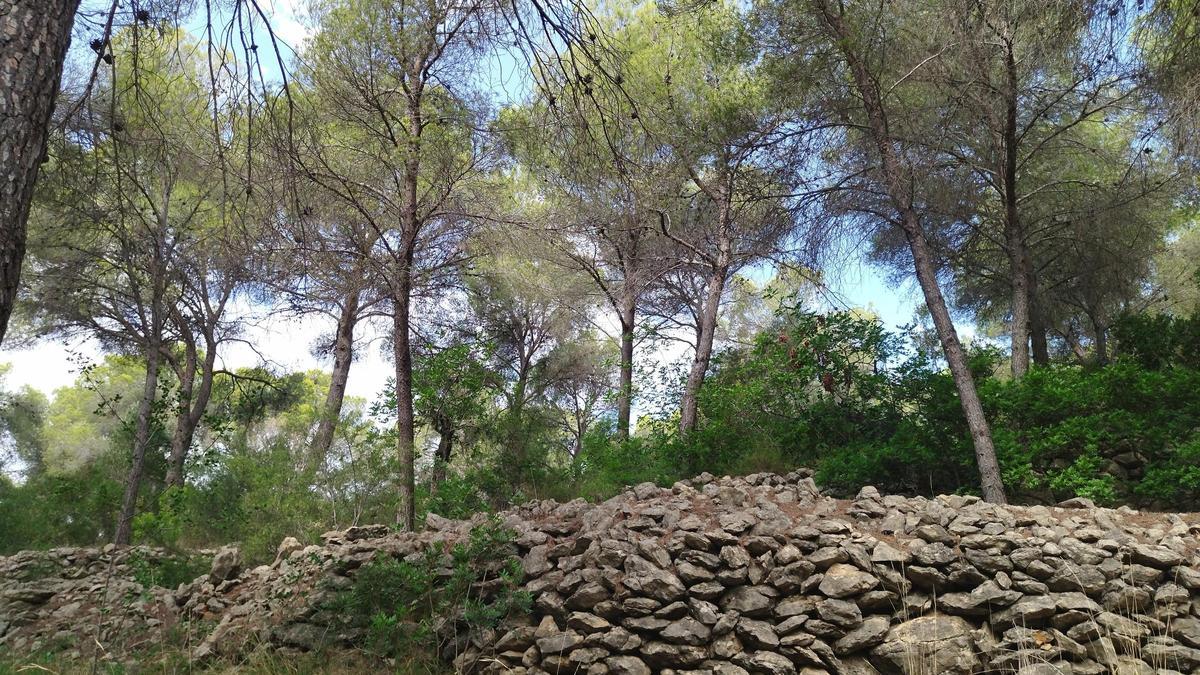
404	606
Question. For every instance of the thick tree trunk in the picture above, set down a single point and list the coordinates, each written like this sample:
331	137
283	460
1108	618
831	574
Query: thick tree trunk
141	441
193	403
516	437
34	36
688	408
1021	317
343	356
625	386
898	190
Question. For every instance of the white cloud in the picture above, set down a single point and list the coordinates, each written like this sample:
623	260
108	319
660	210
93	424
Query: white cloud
289	22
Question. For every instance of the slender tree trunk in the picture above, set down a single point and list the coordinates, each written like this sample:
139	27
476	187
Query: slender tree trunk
1014	234
898	190
193	405
981	435
405	417
1077	347
688	408
445	429
578	432
517	438
625	386
187	380
1101	345
410	227
1037	323
34	36
141	441
343	356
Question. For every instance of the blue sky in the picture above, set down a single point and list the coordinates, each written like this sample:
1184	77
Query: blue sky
49	366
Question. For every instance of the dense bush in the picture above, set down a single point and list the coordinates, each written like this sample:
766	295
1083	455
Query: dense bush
78	508
838	393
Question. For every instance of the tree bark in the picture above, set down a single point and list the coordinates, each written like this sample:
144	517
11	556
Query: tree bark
445	429
1021	316
187	380
625	386
897	187
343	356
981	435
34	36
141	441
1101	345
405	417
1037	324
688	408
517	439
1071	337
1014	234
193	402
410	227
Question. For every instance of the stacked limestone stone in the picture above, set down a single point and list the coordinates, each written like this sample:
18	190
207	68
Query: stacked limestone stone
66	597
763	574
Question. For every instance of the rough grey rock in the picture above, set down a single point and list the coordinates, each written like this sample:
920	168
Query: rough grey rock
929	644
871	632
226	564
844	581
748	600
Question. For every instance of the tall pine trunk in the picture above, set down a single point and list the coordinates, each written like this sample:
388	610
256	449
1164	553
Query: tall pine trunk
187	381
410	227
1037	321
898	191
405	417
1014	233
990	481
689	406
343	356
1021	313
1101	344
625	386
34	36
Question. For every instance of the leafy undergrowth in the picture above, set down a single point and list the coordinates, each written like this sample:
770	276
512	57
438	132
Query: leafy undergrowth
427	605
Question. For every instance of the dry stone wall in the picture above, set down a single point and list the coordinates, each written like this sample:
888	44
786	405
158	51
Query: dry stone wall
760	574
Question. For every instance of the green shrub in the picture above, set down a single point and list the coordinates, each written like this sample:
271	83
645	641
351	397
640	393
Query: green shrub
1157	341
1175	478
165	572
1085	477
401	603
